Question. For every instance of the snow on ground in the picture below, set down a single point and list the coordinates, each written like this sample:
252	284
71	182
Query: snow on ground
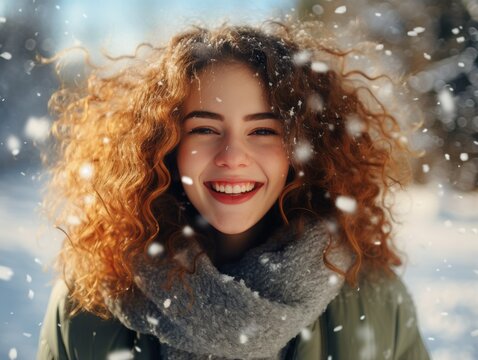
439	235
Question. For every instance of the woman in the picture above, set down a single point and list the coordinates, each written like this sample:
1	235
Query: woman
222	198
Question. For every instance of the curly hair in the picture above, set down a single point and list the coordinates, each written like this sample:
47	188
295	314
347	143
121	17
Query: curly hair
114	189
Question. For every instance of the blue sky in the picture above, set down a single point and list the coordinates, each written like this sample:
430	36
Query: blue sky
121	25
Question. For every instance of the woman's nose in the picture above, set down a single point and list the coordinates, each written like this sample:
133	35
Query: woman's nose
232	155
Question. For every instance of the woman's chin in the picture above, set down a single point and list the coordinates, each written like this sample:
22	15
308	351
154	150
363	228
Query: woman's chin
231	230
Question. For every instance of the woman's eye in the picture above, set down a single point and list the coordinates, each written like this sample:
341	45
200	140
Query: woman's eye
264	131
201	131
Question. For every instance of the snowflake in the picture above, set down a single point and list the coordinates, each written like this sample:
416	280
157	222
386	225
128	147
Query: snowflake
341	9
120	355
5	273
346	204
37	129
243	338
305	334
155	249
186	180
86	171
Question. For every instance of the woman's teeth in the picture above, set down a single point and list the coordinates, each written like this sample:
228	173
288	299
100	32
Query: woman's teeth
233	189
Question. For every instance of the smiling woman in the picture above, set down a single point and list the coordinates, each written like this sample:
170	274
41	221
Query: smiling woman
233	207
232	141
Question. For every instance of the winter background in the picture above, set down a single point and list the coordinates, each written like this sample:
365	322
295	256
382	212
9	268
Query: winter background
434	41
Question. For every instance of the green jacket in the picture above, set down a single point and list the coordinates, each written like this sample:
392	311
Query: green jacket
375	321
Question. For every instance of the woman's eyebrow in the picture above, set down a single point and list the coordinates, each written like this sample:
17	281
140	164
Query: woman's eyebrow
204	115
216	116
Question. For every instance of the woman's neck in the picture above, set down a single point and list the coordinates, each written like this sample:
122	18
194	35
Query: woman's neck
230	248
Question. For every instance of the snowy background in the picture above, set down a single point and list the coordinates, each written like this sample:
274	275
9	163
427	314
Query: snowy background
439	231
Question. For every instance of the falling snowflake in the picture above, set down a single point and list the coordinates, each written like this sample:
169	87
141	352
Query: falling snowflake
346	204
120	355
243	338
88	199
464	157
37	129
12	354
303	151
5	273
338	328
14	145
31	294
188	230
425	168
301	58
446	101
186	180
354	125
305	334
333	279
6	55
153	321
417	30
167	303
319	66
155	249
315	103
86	171
73	220
341	9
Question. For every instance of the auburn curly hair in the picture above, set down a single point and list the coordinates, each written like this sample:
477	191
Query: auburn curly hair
113	189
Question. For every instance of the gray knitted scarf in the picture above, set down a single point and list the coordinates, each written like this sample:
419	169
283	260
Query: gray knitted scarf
250	309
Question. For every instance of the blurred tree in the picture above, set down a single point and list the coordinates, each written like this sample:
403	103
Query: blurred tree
26	30
433	42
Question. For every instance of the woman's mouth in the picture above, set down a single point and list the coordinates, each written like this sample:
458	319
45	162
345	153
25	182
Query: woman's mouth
232	188
233	193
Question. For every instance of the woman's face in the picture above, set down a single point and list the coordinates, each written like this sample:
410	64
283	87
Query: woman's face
231	157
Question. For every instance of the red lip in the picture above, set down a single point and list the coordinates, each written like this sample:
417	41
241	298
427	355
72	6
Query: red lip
233	199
